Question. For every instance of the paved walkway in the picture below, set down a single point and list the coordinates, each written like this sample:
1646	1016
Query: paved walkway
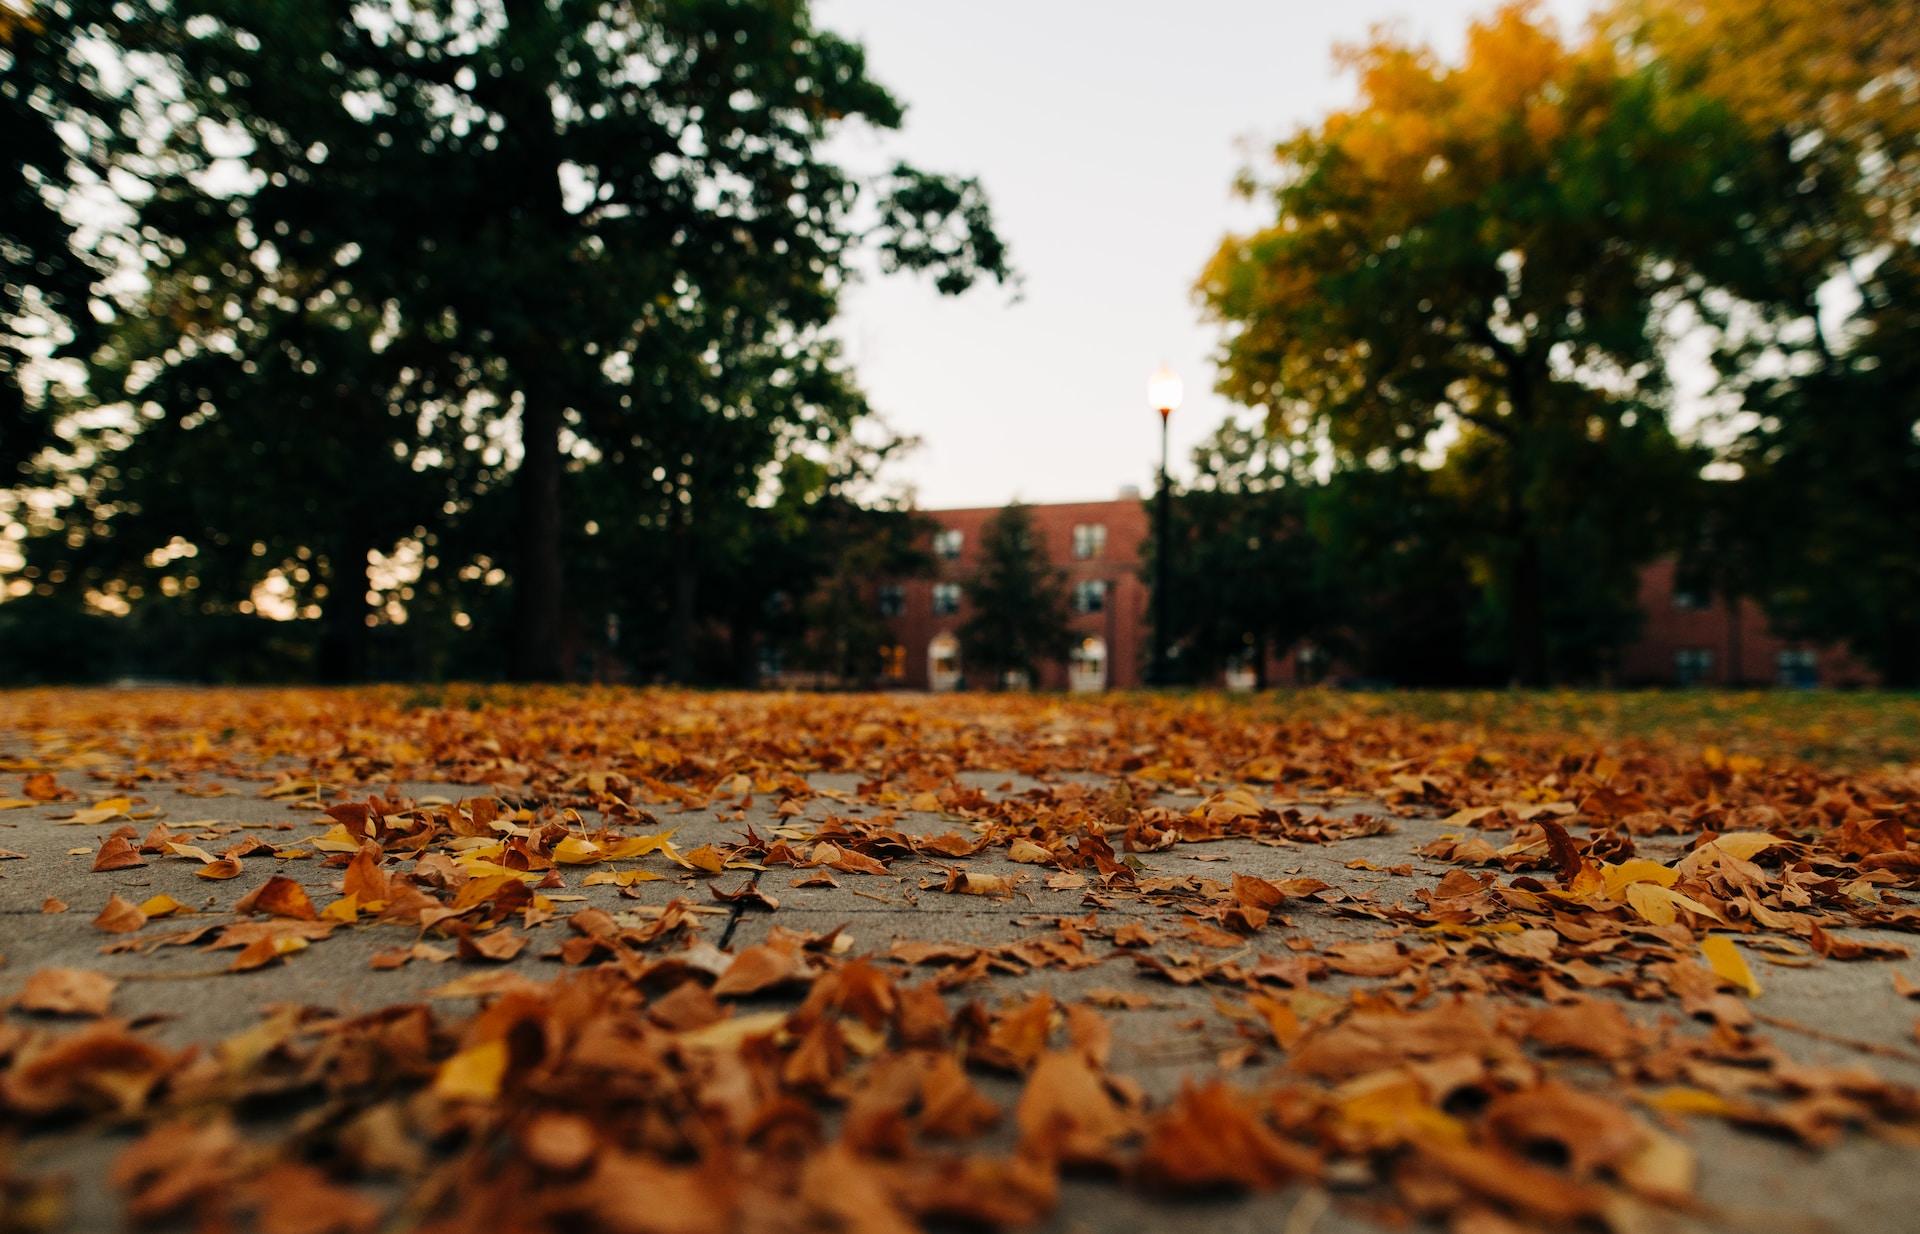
1165	1033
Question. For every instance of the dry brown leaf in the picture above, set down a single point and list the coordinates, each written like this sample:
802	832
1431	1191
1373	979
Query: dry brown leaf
67	991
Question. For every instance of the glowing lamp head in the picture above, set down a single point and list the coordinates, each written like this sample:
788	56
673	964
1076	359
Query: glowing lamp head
1164	390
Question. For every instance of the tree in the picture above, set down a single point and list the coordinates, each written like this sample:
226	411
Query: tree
1816	348
1247	570
56	112
839	628
1488	247
535	184
278	436
1833	469
1019	615
1395	566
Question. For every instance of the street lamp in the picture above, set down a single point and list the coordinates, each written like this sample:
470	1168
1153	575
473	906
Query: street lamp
1163	395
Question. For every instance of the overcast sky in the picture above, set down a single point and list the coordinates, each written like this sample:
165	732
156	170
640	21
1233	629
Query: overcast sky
1107	133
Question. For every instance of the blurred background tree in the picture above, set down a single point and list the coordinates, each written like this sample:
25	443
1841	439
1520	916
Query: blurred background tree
1018	616
495	337
1250	582
1817	330
62	121
531	241
1479	257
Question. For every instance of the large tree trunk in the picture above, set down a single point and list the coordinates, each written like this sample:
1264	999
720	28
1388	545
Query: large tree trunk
344	634
1527	586
680	614
1526	611
538	607
539	349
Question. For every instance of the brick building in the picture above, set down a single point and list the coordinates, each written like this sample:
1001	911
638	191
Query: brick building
1097	544
1687	638
1693	638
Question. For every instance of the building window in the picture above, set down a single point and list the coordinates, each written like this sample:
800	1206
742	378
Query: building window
893	662
946	599
1089	541
1798	668
893	600
1690	597
1090	595
1692	666
947	543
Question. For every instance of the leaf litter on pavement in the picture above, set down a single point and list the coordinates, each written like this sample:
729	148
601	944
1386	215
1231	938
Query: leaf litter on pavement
1462	1052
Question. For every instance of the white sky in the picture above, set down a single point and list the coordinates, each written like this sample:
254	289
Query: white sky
1107	133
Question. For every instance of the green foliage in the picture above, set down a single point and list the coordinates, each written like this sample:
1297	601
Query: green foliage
838	628
1392	560
1247	572
1833	484
1816	342
1018	610
1484	251
56	115
495	286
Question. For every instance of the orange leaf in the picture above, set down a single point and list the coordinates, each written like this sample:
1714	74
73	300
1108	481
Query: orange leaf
279	896
119	917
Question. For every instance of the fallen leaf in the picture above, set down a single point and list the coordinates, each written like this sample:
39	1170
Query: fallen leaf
67	991
119	917
474	1074
279	896
264	951
1727	964
116	853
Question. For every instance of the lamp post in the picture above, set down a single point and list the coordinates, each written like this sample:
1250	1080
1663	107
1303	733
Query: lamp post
1163	395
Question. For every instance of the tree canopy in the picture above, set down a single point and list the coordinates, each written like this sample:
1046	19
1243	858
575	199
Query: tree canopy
1484	253
461	282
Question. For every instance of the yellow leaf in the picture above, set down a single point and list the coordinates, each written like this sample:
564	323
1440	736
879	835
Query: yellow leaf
1637	870
16	803
1656	904
1680	1099
574	851
105	811
729	1033
1725	960
1025	850
706	857
293	788
474	1074
494	870
1395	1103
1662	1165
1742	845
345	909
638	846
620	878
1652	902
336	839
162	905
